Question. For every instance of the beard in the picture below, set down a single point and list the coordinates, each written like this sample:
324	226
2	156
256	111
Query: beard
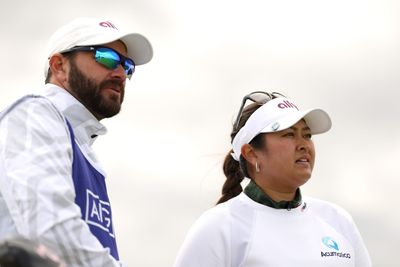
92	96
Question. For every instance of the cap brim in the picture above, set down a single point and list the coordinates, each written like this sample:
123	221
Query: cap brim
316	119
86	32
139	48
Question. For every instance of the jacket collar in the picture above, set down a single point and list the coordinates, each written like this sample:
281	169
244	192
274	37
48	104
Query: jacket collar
254	192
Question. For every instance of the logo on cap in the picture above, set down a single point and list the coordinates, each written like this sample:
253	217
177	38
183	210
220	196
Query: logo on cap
107	24
287	104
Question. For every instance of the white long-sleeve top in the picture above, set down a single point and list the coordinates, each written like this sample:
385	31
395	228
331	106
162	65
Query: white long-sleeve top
36	187
244	233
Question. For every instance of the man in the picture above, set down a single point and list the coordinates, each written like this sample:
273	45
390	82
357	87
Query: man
52	188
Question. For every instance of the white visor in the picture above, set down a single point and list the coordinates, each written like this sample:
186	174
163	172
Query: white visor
276	115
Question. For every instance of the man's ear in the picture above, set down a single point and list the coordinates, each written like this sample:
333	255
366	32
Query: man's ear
58	66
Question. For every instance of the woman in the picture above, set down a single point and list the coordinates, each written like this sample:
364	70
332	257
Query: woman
270	223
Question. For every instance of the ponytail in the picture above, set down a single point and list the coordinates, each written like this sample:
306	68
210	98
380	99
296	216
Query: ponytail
235	171
234	176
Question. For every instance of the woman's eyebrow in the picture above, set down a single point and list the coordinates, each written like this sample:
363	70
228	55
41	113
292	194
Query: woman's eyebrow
306	128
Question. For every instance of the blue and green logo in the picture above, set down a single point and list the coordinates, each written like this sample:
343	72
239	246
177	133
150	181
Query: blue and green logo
330	243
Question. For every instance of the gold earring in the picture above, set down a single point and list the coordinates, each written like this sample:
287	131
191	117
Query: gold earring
257	167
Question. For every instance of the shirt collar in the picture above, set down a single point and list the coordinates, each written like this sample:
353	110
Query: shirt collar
85	125
254	192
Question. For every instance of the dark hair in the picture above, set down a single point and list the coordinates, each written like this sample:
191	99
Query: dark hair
48	77
235	171
69	56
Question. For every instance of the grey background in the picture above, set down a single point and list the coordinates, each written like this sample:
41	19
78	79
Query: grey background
163	153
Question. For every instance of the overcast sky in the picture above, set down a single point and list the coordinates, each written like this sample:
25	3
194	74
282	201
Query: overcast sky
163	153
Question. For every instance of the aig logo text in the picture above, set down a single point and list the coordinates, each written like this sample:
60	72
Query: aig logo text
98	212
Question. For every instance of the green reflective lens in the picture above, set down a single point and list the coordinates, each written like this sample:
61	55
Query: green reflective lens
111	59
108	57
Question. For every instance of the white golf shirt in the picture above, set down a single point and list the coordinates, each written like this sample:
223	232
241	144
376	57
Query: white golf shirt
36	187
244	233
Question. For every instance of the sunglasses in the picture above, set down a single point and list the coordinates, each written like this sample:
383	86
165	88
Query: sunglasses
108	57
258	97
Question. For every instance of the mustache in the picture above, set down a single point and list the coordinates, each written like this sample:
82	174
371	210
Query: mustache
118	83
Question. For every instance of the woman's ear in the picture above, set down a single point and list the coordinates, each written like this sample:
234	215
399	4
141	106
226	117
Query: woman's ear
249	154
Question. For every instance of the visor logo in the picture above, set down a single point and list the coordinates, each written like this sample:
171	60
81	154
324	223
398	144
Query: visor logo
275	126
287	104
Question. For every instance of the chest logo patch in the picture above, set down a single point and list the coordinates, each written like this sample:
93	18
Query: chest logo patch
330	243
333	245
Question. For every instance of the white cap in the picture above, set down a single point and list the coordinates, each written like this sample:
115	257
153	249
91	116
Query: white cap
276	115
92	31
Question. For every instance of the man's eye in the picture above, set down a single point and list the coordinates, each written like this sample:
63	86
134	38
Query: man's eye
308	136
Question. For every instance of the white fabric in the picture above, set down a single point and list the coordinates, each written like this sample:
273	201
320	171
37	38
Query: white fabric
276	115
36	187
93	31
244	233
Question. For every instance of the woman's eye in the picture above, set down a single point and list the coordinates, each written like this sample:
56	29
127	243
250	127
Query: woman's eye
289	134
308	136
